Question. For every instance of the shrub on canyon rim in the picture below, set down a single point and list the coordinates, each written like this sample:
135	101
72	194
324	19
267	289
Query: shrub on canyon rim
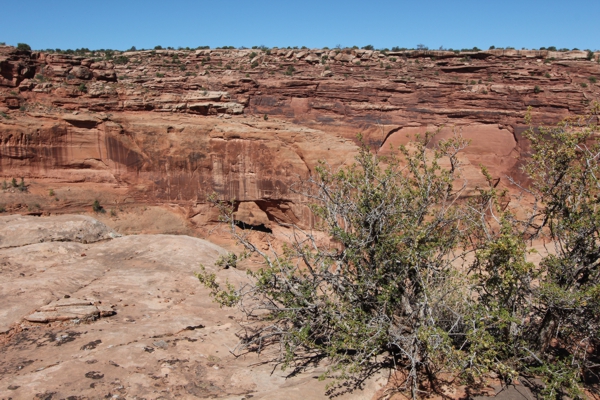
395	288
23	46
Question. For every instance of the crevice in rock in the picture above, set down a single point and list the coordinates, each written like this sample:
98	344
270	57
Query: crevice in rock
259	227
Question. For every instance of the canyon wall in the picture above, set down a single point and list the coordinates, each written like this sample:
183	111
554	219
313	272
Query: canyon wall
173	126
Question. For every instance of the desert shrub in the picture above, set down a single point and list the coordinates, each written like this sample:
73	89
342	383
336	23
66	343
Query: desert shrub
592	79
536	89
590	55
22	187
290	70
227	261
394	288
23	46
121	60
360	304
97	207
82	88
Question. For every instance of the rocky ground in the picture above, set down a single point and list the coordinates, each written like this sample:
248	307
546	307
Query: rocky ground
88	313
160	336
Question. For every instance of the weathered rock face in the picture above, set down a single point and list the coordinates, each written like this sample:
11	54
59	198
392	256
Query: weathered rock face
175	126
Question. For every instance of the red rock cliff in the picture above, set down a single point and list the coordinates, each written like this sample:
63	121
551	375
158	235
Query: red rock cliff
174	126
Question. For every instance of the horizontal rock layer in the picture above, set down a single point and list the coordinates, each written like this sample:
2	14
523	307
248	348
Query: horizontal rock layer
175	126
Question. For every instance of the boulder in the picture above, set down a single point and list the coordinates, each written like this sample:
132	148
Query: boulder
81	72
105	75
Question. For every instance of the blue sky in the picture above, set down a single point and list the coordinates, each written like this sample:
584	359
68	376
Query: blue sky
313	23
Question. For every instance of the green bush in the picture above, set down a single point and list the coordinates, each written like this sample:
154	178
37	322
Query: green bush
227	261
290	70
82	88
122	60
395	289
22	187
97	207
590	55
536	89
23	46
592	79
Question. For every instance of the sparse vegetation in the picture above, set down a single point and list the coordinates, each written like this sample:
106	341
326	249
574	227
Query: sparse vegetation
590	55
227	261
21	187
23	46
395	289
536	89
97	207
122	60
290	70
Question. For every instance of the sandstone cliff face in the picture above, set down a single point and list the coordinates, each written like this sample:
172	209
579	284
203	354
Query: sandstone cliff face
174	126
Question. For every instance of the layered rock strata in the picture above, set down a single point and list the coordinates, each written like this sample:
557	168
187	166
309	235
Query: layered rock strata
174	126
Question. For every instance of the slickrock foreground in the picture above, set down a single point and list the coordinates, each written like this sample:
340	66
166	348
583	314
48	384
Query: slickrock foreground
165	340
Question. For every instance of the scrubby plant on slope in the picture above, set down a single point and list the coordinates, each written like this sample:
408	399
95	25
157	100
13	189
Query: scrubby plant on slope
424	280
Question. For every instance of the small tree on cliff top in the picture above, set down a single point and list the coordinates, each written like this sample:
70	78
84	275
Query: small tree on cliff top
394	289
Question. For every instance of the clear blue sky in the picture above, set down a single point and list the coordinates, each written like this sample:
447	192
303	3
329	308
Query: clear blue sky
314	23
